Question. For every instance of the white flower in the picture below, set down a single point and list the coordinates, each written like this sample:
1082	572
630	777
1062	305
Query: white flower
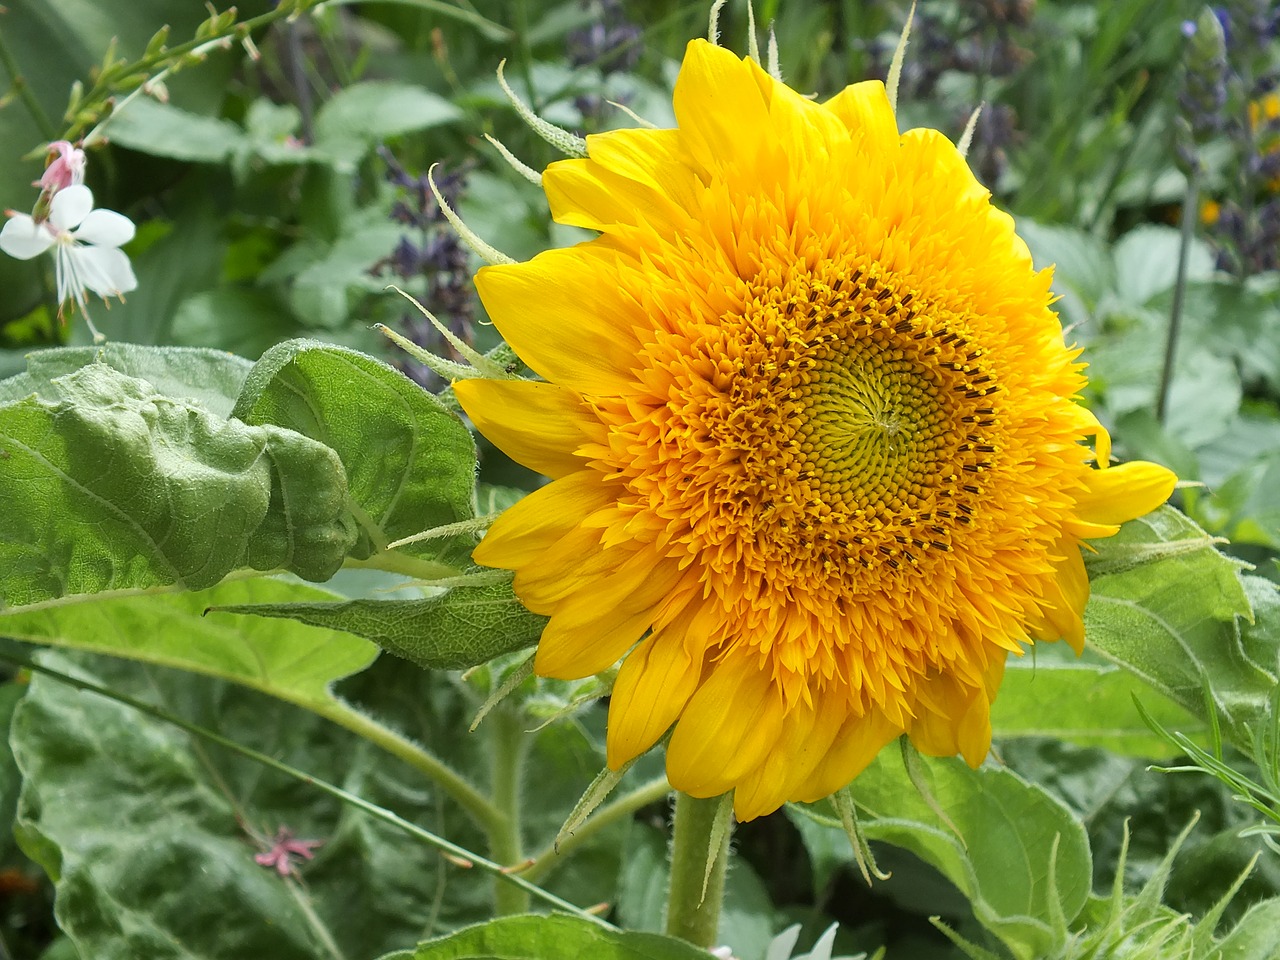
85	242
781	946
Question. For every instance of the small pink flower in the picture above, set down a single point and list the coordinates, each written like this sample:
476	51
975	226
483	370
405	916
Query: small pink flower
65	169
283	849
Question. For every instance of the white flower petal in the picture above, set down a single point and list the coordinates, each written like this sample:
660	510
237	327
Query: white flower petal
104	270
781	946
822	949
23	238
65	267
70	206
105	228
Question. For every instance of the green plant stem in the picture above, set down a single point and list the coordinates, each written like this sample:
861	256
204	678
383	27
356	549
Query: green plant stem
1190	212
488	815
526	54
507	751
171	55
696	893
460	854
606	816
47	129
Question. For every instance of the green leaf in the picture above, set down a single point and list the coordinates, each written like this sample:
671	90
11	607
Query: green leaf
244	321
290	661
643	879
364	114
1085	703
486	28
460	628
1083	271
122	488
553	938
186	259
1254	937
1168	606
151	837
324	291
410	464
1147	262
211	378
164	130
1002	854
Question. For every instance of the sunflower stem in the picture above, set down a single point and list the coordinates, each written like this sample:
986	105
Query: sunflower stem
697	871
508	748
1190	211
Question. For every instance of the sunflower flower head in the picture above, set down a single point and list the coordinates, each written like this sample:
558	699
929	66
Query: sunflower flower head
813	433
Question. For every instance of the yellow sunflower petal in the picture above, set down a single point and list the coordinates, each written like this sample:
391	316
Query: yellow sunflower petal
855	745
807	734
533	525
533	303
718	105
864	109
728	727
1072	587
1125	491
654	158
593	627
955	717
632	177
537	424
652	687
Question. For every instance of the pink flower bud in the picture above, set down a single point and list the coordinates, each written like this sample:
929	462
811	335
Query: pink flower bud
65	167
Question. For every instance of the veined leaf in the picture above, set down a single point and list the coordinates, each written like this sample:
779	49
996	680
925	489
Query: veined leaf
460	628
1084	703
363	114
290	661
1018	855
550	938
212	378
410	464
150	836
1254	937
112	486
1172	609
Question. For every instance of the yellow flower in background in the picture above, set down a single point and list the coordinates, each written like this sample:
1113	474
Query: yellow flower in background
813	433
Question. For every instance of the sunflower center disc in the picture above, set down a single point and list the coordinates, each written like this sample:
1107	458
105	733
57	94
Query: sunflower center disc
847	432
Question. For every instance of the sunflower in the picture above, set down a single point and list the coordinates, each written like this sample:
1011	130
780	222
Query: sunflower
813	433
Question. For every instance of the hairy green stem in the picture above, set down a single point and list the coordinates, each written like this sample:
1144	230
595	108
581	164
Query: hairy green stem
606	816
696	892
508	745
1190	212
380	813
484	812
47	129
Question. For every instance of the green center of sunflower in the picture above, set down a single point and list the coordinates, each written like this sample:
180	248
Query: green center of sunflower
835	428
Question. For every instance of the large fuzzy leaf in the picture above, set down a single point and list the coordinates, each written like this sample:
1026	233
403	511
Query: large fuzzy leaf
290	661
1018	855
151	835
551	938
113	486
462	627
410	463
1172	609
